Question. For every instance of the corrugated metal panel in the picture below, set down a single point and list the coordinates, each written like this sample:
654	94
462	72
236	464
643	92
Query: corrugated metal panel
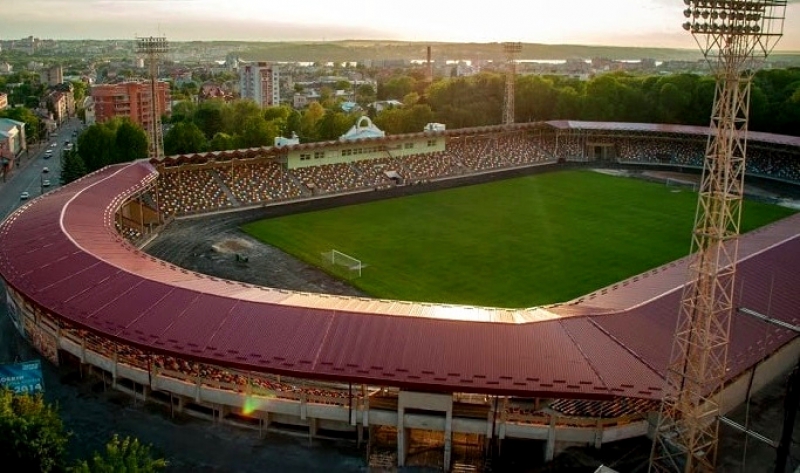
151	303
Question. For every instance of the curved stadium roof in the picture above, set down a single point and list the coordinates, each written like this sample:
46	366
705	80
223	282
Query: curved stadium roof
63	253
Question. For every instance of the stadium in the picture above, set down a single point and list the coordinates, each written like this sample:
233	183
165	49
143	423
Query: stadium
430	383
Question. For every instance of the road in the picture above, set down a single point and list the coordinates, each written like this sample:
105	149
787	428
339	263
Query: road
28	177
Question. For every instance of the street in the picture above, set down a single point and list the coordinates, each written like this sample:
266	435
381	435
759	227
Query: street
28	177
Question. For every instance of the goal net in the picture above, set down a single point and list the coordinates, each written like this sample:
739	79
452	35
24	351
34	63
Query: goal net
338	260
678	183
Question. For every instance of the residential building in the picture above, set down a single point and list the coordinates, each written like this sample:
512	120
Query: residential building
69	94
88	109
12	138
3	101
6	68
259	81
52	76
210	91
129	99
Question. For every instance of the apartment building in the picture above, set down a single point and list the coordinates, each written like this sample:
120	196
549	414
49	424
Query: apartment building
52	76
129	99
260	82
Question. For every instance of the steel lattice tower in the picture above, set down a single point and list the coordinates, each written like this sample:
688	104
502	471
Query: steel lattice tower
153	48
735	36
511	50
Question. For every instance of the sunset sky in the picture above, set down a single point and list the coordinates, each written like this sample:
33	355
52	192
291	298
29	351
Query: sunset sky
609	22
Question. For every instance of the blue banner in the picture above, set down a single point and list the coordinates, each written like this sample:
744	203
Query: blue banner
22	377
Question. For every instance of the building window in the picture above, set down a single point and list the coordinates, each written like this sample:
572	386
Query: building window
305	156
347	152
319	154
431	143
409	146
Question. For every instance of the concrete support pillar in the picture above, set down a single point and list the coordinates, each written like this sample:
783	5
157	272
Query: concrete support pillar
448	438
312	429
401	438
550	449
360	434
598	436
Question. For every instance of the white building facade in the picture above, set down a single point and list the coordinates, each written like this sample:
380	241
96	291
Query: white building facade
260	82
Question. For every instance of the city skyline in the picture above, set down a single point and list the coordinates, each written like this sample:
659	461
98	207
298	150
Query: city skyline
646	23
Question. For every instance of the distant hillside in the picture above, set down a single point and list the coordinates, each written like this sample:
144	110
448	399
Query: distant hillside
359	50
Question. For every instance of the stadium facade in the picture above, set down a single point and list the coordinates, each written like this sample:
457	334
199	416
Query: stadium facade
584	372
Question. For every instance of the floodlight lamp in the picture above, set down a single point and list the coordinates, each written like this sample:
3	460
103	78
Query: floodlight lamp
687	26
687	13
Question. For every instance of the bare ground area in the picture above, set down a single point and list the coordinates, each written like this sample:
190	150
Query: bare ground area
215	246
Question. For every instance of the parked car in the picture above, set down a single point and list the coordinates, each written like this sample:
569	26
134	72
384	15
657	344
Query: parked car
24	196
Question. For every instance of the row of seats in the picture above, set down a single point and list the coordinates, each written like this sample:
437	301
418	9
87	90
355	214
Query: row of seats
263	181
242	183
192	190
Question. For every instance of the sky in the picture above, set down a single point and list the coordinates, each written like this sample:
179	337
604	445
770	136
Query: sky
651	23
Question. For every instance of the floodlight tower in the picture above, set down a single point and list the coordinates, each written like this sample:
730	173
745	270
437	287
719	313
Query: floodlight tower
735	36
511	50
153	47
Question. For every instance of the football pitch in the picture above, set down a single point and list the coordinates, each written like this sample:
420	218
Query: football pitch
513	243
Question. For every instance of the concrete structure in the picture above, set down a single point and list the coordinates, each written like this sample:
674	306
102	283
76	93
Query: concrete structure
254	356
59	104
12	137
52	76
259	82
88	109
6	68
128	99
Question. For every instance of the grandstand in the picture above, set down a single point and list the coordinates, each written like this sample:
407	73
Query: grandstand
583	372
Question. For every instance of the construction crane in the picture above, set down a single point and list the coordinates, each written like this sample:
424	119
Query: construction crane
735	37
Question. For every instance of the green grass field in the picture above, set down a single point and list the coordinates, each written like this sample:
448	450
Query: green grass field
514	243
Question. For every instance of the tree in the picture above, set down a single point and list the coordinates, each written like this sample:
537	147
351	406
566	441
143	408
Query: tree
183	138
72	166
130	143
256	132
209	117
32	436
79	89
122	456
396	87
333	124
308	123
182	111
95	146
221	142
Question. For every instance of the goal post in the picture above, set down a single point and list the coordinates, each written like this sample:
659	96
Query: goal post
681	183
338	259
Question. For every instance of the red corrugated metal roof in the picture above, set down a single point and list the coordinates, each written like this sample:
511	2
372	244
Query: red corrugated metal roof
88	274
753	136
